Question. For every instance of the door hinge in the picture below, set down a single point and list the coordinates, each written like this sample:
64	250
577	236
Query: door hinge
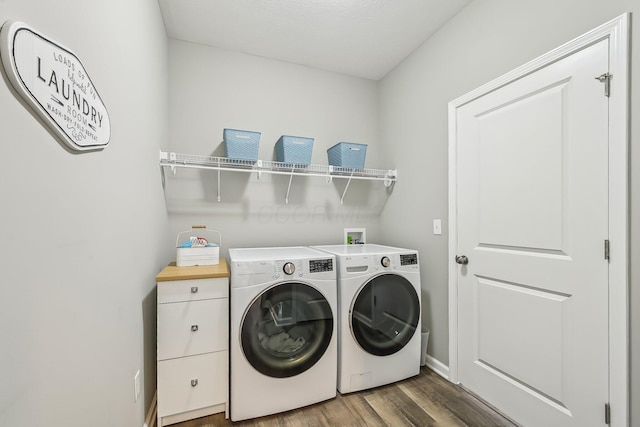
607	414
606	250
606	79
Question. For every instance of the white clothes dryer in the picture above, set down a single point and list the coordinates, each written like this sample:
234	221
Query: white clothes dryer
283	336
379	315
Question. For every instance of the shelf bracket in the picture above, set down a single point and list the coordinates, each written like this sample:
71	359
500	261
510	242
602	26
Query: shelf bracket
286	199
388	180
219	197
345	189
259	166
172	158
329	177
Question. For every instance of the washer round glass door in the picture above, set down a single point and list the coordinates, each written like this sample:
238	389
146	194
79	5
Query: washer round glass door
385	314
286	329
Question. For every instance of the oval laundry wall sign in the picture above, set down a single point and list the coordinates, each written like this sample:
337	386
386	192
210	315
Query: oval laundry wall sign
52	80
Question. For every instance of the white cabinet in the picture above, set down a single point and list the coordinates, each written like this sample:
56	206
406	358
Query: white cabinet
193	342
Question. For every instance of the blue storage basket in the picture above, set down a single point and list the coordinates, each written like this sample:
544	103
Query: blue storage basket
294	149
241	144
347	155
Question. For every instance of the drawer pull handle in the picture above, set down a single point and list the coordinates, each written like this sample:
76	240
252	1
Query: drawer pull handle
194	328
194	289
194	382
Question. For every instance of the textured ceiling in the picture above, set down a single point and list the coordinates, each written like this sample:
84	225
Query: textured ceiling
363	38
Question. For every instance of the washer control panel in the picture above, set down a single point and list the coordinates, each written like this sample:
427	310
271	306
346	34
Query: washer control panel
262	265
320	265
302	268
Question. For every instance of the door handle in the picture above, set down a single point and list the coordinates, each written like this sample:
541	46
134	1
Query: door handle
462	259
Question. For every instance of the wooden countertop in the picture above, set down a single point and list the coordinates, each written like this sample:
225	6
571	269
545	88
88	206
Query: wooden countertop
173	272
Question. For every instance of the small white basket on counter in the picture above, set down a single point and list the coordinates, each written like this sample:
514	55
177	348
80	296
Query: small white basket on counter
194	247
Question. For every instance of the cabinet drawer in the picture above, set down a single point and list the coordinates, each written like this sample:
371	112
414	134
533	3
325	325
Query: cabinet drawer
193	382
196	327
193	290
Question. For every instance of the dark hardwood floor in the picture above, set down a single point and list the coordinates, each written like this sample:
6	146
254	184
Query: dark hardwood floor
424	400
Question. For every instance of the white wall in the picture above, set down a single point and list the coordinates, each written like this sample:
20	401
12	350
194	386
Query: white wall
212	89
487	39
82	236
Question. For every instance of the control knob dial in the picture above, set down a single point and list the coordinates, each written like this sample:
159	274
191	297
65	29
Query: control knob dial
385	261
289	268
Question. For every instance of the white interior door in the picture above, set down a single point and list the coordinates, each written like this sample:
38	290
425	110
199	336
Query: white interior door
532	220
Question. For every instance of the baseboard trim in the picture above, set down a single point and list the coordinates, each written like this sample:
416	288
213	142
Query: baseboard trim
438	367
150	420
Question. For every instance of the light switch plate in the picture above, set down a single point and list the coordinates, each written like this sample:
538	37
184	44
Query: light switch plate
437	226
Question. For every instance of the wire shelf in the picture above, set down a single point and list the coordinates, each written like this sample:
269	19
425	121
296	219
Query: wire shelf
176	160
224	163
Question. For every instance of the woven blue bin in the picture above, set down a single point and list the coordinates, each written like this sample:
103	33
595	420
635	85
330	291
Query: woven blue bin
294	149
241	144
347	155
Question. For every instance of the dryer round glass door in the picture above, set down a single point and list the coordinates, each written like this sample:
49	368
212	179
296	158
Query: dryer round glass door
286	329
385	314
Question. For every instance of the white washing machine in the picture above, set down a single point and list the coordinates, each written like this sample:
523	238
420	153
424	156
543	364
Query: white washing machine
379	315
283	329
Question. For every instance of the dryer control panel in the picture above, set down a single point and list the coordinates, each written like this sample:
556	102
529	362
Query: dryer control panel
406	261
409	259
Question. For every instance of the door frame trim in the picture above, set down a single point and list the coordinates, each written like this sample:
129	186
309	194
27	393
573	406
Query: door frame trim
617	32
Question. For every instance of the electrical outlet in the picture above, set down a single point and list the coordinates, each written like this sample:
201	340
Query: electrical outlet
136	386
437	226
